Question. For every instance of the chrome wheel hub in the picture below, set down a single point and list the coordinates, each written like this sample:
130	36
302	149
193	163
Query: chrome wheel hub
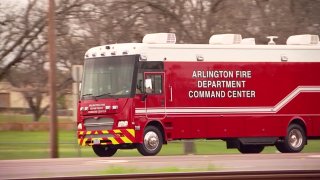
151	141
295	138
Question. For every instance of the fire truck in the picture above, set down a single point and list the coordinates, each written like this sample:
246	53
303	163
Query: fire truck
143	95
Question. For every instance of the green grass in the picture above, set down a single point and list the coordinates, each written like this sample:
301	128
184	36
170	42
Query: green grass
26	145
127	170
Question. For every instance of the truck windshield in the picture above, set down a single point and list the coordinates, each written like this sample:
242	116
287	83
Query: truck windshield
108	77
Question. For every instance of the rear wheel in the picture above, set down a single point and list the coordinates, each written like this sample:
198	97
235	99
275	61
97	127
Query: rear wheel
152	141
294	141
250	149
104	150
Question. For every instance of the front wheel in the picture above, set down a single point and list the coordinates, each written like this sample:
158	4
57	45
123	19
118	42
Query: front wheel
250	149
294	141
152	142
104	150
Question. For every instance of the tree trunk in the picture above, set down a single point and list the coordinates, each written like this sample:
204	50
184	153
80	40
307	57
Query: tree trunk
36	116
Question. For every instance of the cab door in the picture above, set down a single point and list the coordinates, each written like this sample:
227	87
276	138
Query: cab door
155	101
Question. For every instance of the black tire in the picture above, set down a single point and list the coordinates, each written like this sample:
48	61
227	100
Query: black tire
152	142
280	147
104	151
250	149
294	141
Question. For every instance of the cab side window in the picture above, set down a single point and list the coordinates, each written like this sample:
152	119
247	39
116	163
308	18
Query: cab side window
156	80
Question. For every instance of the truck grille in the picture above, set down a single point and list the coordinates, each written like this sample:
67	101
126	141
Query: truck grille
97	136
92	124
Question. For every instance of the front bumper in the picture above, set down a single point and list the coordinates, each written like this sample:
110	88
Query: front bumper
106	137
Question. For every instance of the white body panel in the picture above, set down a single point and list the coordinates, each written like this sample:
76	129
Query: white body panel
219	53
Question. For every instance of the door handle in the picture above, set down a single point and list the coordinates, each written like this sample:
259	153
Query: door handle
170	87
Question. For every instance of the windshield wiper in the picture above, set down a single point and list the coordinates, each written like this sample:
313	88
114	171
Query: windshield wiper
104	94
87	95
100	95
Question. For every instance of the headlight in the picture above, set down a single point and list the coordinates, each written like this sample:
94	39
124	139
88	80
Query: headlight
122	123
80	126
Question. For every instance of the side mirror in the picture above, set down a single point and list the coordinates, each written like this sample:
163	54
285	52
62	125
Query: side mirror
148	85
148	89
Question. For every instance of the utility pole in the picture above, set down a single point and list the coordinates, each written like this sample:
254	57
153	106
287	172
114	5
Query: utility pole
76	76
52	80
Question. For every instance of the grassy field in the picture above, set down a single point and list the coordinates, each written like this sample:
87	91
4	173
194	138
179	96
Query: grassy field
26	145
172	169
35	144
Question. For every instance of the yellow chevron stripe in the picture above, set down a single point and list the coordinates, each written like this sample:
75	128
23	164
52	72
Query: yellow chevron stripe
131	131
126	140
84	142
117	131
113	140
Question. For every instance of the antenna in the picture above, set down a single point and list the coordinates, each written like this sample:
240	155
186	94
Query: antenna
271	42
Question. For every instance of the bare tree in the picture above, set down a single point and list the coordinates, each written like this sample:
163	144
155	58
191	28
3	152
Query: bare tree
23	56
289	17
30	79
82	24
24	33
101	22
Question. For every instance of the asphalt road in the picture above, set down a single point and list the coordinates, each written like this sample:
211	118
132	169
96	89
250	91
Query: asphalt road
92	166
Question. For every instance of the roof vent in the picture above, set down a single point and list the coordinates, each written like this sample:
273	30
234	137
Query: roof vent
303	39
159	38
225	39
